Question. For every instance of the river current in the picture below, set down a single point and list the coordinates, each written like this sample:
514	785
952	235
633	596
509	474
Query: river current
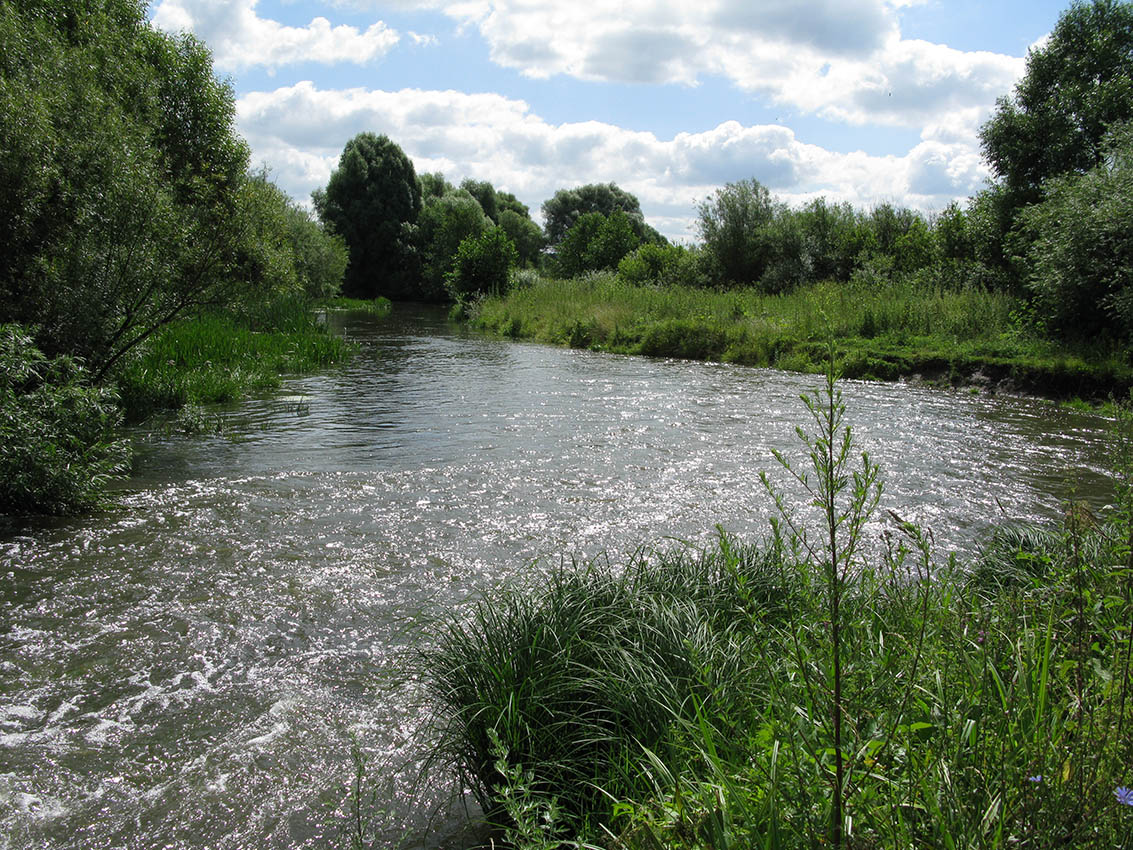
222	662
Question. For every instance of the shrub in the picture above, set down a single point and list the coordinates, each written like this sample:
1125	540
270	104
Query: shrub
1080	256
596	242
662	265
57	433
482	265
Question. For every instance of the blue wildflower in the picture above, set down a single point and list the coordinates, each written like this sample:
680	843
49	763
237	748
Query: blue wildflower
1038	777
1124	795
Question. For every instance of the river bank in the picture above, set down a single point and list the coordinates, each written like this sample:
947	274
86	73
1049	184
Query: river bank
889	331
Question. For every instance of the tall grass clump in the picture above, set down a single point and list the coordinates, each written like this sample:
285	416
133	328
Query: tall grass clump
563	686
222	357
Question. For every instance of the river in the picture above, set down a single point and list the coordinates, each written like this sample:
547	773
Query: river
206	666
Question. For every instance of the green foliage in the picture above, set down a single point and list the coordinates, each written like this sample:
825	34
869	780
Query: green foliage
832	238
319	256
734	226
373	200
444	224
485	195
566	206
525	234
433	185
482	265
1076	86
58	441
222	357
1080	248
507	202
122	180
596	242
560	686
885	327
662	265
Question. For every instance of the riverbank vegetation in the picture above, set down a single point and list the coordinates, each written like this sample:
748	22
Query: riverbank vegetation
883	329
145	264
819	688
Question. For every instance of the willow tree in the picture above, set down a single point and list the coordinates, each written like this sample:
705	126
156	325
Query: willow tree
373	200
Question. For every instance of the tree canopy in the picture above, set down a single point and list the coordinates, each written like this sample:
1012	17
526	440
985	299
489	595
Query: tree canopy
1076	86
566	206
373	200
122	181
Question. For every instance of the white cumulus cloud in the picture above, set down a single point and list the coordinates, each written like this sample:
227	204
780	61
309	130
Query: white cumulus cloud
240	38
841	59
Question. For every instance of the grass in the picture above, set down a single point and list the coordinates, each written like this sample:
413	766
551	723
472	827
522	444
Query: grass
811	690
219	358
882	330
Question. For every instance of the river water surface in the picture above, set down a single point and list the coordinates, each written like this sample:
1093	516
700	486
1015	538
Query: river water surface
205	667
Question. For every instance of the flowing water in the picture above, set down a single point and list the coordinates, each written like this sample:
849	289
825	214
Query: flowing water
222	662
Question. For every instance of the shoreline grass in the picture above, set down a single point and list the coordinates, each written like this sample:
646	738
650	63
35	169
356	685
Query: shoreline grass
883	330
220	358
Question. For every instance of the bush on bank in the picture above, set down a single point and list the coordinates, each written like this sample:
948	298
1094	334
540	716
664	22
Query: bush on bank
58	434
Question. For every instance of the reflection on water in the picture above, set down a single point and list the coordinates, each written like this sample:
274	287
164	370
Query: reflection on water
195	670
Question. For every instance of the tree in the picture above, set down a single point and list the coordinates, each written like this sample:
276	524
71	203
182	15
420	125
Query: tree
485	195
562	210
507	201
482	265
1080	252
525	234
444	224
320	257
122	181
373	200
735	228
1076	86
596	242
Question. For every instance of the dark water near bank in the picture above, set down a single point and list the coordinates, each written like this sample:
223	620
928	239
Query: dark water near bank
196	669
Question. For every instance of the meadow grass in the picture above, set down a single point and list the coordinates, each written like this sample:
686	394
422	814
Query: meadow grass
815	689
882	329
222	357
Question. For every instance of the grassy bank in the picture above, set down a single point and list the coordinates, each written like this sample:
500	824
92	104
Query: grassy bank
883	330
811	690
224	357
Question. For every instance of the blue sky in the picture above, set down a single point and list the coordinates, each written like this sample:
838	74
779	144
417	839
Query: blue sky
857	100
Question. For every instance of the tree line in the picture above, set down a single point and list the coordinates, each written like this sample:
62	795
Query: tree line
1054	225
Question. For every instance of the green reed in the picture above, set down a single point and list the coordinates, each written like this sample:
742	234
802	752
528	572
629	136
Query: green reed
222	357
881	328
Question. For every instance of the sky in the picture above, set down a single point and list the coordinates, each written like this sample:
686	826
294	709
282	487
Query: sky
866	101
